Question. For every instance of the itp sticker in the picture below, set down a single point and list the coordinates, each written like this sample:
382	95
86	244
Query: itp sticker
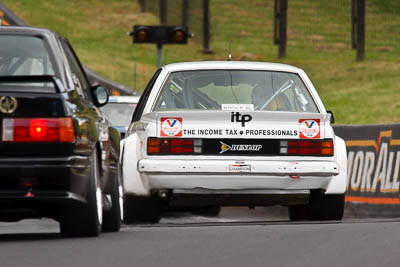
310	128
171	127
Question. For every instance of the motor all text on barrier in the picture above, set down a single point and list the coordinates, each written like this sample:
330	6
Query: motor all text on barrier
375	169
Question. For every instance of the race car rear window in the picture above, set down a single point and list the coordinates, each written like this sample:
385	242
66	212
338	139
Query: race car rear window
24	56
237	89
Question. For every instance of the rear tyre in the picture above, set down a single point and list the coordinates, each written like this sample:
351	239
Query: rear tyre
141	209
112	218
320	208
298	213
327	207
86	220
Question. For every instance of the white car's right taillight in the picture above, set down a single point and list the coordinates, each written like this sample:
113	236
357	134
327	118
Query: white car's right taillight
307	147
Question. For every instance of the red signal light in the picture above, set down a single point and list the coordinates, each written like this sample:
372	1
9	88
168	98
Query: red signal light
179	36
142	35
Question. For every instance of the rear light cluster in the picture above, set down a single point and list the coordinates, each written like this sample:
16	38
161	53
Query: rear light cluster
38	130
168	146
306	148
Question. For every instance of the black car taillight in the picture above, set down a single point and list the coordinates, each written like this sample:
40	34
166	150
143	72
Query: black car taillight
307	147
169	146
38	130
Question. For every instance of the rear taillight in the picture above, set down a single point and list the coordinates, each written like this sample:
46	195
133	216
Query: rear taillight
306	147
168	146
38	130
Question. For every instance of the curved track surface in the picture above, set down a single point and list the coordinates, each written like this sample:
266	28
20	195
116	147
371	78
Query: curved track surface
238	237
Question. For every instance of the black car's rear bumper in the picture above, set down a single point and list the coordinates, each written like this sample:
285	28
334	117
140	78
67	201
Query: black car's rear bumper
43	183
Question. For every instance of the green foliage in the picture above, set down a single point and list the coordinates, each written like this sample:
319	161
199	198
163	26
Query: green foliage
319	41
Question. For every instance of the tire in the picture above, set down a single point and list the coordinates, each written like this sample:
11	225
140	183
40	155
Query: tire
211	211
320	208
298	213
141	209
86	220
112	218
327	207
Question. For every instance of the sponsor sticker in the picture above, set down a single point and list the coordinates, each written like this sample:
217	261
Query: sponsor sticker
230	132
171	127
239	107
239	147
309	128
242	118
239	168
235	124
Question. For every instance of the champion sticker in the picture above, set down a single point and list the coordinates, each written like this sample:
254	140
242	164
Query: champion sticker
171	127
310	128
240	168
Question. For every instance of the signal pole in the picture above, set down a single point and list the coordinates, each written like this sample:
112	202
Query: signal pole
280	25
358	28
159	55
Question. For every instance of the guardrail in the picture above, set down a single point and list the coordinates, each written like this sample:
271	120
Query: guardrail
8	18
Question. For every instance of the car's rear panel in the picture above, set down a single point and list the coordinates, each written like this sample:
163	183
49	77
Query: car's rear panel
33	117
257	135
33	106
37	141
240	124
228	154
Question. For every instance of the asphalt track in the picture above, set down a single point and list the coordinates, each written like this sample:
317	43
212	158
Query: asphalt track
238	237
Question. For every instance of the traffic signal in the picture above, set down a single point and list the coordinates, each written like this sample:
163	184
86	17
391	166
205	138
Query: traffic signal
160	34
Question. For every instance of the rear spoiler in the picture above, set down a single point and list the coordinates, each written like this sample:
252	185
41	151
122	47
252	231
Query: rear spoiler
34	79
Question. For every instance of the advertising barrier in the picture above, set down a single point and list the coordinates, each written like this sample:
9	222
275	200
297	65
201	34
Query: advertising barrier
373	169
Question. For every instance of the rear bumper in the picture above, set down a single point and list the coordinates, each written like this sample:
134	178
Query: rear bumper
263	167
23	198
32	182
234	182
222	174
23	166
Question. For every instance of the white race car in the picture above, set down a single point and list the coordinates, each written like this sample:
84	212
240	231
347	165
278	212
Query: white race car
251	134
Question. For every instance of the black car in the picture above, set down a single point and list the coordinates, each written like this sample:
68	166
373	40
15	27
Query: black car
59	158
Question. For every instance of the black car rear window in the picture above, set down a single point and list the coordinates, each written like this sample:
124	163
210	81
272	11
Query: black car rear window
24	56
